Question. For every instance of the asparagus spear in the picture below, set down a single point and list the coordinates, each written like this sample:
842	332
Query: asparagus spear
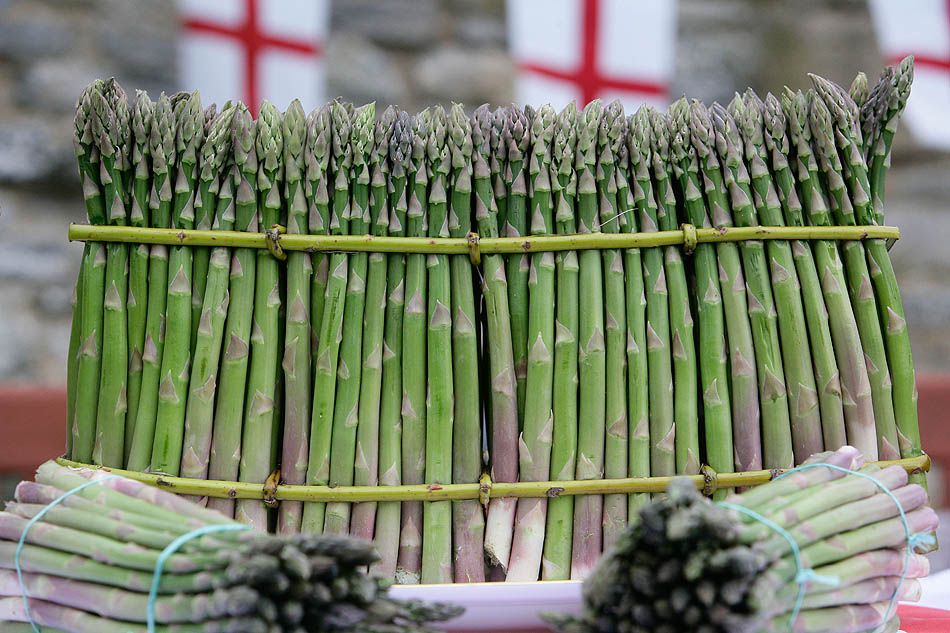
556	558
346	406
816	313
468	521
436	532
366	464
173	389
318	188
137	304
713	360
388	514
224	462
205	211
215	177
893	103
776	429
537	435
588	510
90	287
414	392
804	414
331	325
746	429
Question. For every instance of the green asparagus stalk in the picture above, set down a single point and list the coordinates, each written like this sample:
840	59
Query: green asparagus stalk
409	563
346	407
804	413
827	377
588	510
205	213
176	359
224	463
388	515
331	325
137	303
318	188
893	103
366	464
499	162
437	516
537	435
111	130
556	558
776	428
713	360
746	429
468	521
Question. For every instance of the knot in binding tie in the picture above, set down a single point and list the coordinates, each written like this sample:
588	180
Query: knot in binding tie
690	238
273	241
474	249
484	489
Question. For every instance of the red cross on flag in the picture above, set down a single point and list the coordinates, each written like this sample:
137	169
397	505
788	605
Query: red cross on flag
920	28
254	49
587	49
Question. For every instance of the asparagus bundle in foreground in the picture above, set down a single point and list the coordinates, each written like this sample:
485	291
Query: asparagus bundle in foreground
690	564
223	581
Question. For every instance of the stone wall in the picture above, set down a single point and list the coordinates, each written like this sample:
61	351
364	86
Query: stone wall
414	53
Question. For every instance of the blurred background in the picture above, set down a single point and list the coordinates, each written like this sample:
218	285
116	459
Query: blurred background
415	53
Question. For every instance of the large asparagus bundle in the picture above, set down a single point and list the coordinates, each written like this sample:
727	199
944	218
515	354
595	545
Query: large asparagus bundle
690	564
371	369
223	581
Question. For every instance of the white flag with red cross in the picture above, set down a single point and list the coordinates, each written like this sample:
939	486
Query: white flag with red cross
254	49
583	50
920	28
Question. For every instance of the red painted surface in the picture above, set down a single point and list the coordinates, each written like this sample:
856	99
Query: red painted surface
923	620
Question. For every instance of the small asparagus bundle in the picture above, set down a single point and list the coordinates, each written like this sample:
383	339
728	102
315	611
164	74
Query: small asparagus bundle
137	303
226	581
260	418
490	194
713	360
804	414
556	559
536	437
224	461
440	414
691	564
176	359
746	428
331	325
685	427
388	515
366	462
468	520
776	427
414	391
588	510
217	189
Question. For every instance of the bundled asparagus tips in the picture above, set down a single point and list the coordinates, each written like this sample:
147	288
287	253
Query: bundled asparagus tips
896	100
713	360
468	521
845	205
498	163
390	421
556	560
874	113
440	414
228	581
137	304
588	515
849	354
331	324
176	359
110	112
517	138
804	413
163	155
776	429
816	314
346	406
689	564
85	347
366	464
225	457
536	438
215	177
743	378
